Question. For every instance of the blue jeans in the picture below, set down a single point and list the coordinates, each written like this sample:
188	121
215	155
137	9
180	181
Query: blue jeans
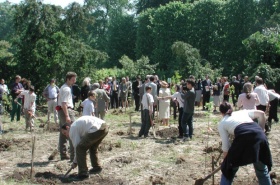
261	172
187	124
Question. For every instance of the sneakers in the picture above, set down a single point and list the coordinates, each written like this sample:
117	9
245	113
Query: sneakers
96	169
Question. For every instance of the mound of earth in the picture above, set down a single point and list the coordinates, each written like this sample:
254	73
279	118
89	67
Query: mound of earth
6	143
167	132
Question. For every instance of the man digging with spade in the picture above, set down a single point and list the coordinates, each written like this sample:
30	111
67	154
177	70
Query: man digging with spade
86	133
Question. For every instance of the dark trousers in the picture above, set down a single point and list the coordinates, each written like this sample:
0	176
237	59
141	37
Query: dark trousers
137	102
226	98
146	123
261	107
180	121
234	98
174	105
114	100
206	99
16	109
273	110
187	124
89	142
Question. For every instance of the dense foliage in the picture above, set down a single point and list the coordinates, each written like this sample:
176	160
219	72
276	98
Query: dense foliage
117	38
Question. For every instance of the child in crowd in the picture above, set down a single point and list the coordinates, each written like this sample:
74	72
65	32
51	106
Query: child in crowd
87	104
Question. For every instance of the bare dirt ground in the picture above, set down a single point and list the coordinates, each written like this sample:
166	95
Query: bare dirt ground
126	159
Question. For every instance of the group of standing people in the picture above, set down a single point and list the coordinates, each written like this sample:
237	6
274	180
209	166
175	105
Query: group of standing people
155	94
87	132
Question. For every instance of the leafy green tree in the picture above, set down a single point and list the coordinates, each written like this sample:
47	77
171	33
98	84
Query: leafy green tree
206	30
6	21
240	23
263	48
170	24
76	21
140	67
270	75
6	60
189	62
143	5
101	12
122	37
144	38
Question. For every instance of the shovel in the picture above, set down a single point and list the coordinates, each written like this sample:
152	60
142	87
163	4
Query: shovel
202	180
68	172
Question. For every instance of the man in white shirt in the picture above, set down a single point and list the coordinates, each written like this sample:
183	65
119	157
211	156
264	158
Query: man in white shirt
51	94
262	94
66	113
29	107
86	133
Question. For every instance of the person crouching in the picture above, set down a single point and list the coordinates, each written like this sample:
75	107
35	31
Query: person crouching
86	133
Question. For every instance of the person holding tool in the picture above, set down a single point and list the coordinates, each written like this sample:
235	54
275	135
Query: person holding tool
86	133
249	145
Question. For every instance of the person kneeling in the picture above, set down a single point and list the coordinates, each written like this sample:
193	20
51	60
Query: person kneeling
86	133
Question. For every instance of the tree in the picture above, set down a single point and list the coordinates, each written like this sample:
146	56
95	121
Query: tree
240	23
6	21
189	62
6	60
141	67
122	37
263	48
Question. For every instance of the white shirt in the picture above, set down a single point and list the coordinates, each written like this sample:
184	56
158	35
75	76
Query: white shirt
263	95
65	95
52	92
29	100
228	124
145	102
88	107
82	126
272	95
5	88
179	99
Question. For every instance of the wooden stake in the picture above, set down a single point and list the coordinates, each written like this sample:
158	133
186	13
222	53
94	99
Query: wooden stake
130	124
213	161
32	157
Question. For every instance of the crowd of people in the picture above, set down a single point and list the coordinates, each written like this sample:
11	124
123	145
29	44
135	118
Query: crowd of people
150	96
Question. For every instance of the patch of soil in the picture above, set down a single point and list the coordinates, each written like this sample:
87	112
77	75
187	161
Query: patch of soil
213	148
180	160
118	112
108	146
20	175
53	128
120	133
5	143
47	178
167	132
157	180
52	178
122	159
200	114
